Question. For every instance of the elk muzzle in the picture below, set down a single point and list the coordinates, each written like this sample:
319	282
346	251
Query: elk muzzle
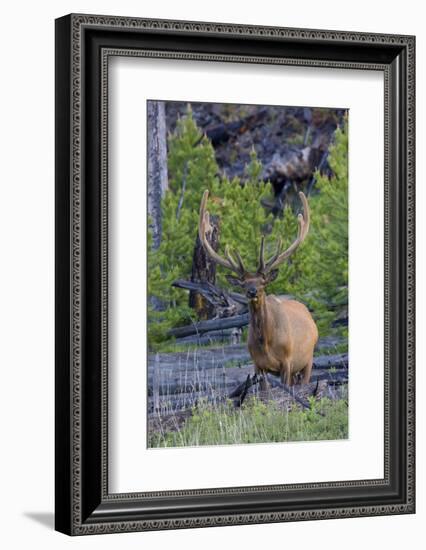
251	292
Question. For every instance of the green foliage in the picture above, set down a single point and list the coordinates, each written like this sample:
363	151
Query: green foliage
257	422
191	166
317	274
328	276
192	169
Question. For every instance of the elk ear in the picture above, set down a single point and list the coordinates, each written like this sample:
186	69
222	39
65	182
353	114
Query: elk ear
234	281
271	276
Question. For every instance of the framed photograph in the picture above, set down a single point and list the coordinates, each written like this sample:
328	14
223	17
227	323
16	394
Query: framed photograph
234	274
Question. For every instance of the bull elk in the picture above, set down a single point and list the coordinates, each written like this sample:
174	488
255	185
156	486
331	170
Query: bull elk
282	334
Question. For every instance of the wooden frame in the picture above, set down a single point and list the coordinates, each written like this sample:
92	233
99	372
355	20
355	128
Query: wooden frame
83	45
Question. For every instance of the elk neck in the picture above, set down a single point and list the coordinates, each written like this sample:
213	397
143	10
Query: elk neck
259	321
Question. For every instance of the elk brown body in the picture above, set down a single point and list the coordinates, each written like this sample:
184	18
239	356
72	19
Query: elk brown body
282	333
282	337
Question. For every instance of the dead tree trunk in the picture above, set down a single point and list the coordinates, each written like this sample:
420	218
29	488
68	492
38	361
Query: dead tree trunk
237	321
157	166
204	271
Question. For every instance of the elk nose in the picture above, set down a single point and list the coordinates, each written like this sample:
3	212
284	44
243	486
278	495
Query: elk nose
251	292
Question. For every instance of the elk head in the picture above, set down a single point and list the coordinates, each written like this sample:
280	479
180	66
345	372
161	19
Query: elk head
253	284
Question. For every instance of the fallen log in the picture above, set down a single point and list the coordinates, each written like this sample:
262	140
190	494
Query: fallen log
233	383
224	303
333	379
338	361
213	324
222	132
227	336
294	164
182	402
177	389
230	381
292	391
244	387
250	380
201	360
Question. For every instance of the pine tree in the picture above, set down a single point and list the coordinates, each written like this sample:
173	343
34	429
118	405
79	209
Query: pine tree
318	273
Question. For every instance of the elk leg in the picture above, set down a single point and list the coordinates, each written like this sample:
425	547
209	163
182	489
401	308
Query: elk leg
307	371
263	381
286	377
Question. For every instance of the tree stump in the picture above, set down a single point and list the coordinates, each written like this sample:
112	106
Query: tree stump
204	270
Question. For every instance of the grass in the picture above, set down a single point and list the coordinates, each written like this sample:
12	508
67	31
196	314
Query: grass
332	350
237	363
173	346
257	422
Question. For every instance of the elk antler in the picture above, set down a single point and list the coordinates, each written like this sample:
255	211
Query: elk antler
279	255
204	225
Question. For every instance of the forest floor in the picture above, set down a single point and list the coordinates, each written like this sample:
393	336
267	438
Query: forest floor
183	385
